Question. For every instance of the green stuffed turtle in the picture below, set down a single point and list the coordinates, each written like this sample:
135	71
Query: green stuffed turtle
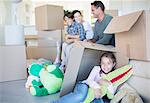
50	77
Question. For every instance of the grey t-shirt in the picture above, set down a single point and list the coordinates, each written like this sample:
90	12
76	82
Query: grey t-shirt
99	35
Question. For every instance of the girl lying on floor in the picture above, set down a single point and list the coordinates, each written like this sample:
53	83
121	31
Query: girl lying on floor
103	80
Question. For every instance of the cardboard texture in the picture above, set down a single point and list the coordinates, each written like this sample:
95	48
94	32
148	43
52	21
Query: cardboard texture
132	34
84	56
36	52
46	45
49	17
49	38
12	63
50	35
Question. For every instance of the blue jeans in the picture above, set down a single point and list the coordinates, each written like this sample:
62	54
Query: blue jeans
77	96
97	101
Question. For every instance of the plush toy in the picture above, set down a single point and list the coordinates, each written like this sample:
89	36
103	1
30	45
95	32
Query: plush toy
116	77
50	79
126	94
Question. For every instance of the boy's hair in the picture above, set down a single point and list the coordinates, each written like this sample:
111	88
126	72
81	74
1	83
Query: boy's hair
70	15
98	4
109	55
76	11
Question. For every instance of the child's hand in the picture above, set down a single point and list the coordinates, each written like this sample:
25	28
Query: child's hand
104	82
97	93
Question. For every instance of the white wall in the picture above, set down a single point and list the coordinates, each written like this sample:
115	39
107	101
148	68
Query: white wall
84	5
5	18
127	6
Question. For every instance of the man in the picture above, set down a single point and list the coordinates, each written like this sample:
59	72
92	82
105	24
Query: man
98	8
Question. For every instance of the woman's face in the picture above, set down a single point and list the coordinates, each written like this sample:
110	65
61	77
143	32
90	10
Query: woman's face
78	17
106	64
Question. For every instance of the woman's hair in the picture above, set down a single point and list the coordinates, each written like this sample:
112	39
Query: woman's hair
76	11
98	4
111	56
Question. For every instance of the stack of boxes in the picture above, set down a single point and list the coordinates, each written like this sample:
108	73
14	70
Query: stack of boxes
49	24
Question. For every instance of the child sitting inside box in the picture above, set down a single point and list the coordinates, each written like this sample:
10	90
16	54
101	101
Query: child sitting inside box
103	80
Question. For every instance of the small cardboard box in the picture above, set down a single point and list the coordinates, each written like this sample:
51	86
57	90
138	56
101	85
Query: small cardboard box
49	17
132	34
84	56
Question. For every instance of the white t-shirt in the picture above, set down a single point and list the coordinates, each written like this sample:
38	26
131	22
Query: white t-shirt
94	77
88	30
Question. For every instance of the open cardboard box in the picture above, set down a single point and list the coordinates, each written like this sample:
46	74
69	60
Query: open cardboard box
84	56
132	34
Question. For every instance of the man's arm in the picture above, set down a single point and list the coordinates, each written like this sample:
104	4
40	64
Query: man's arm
105	40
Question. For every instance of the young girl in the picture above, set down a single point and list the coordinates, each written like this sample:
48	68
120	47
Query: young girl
107	64
94	81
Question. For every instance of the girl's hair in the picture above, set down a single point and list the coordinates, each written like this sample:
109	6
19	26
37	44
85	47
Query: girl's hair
111	56
69	15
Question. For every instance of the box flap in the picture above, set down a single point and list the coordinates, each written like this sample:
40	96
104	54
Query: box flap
122	23
95	46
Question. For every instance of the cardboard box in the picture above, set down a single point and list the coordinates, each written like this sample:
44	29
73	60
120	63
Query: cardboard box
12	63
36	52
132	34
49	17
51	35
49	38
84	56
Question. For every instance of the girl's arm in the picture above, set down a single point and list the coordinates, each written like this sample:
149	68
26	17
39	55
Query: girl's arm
91	78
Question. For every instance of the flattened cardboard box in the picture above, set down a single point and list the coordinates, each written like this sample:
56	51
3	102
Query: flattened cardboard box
132	34
84	56
49	17
12	63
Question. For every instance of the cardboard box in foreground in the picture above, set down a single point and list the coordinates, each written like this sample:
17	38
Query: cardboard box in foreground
132	34
84	56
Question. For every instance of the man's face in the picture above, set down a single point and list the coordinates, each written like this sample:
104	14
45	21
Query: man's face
96	11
